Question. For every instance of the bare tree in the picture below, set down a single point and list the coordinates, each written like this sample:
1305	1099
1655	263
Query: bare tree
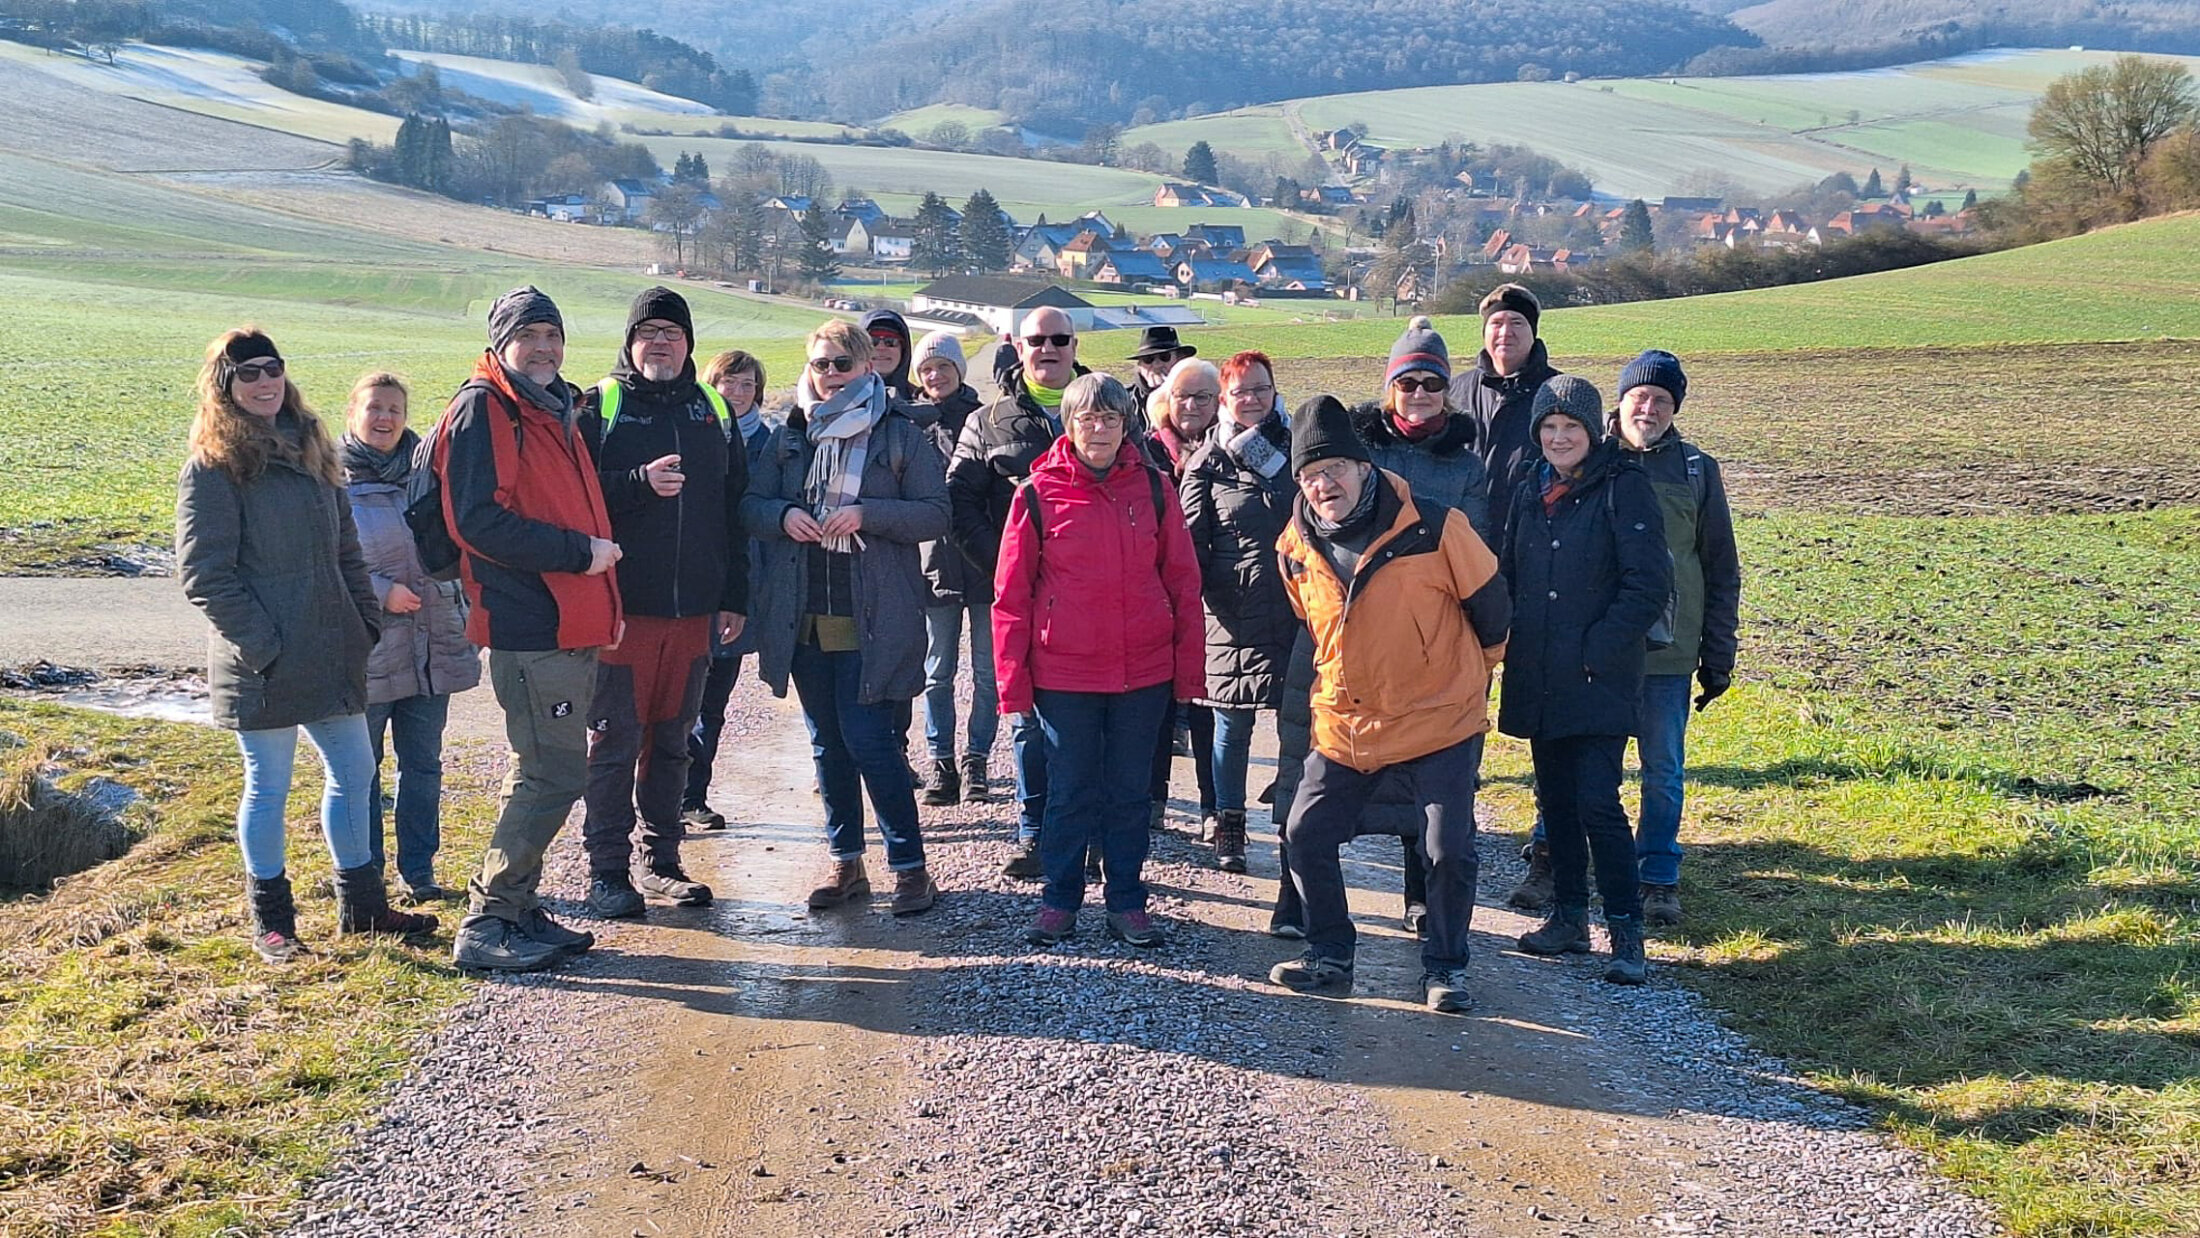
674	213
2101	123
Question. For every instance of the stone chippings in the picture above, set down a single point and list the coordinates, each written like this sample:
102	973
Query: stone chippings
1095	1089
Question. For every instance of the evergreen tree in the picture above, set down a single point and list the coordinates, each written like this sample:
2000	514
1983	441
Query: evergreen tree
1903	181
985	239
936	247
1873	187
1636	233
1970	199
1199	164
816	261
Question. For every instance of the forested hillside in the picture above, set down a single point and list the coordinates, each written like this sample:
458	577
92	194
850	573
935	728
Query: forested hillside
1800	34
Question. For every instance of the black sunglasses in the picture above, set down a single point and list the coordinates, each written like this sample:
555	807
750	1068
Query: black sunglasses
1059	341
1410	383
818	365
254	371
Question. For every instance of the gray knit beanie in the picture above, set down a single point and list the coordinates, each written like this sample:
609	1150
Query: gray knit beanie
1565	395
521	307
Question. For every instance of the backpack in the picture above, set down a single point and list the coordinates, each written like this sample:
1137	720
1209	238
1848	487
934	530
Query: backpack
1660	635
431	531
1038	517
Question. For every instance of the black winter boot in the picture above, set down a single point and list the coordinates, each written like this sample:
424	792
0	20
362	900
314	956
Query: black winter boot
1564	931
1628	965
944	787
363	906
274	918
1230	840
1538	888
977	788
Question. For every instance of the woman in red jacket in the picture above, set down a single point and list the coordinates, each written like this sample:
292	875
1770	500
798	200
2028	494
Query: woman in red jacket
1096	627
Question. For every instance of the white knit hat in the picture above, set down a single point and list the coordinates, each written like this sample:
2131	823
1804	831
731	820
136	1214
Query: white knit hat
943	344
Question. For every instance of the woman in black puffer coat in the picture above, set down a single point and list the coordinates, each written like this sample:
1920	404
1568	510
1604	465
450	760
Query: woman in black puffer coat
1238	492
1590	574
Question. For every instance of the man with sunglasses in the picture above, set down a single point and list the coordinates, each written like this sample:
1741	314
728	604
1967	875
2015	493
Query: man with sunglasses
993	455
1159	349
674	489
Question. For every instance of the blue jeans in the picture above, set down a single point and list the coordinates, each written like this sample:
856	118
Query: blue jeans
1030	748
1232	753
943	631
415	727
1099	745
710	723
347	793
1661	741
856	746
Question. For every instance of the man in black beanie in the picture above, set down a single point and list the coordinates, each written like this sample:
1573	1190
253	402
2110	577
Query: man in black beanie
1408	616
1498	391
673	488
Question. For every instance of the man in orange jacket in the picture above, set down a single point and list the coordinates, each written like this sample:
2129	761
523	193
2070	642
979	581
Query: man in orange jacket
1408	616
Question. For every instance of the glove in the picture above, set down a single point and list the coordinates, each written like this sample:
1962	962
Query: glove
1715	684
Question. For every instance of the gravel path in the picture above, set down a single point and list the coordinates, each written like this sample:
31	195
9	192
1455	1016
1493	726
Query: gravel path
751	1069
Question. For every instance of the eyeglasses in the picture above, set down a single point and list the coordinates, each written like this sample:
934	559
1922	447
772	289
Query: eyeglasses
1251	393
842	364
652	335
254	371
1094	418
1061	340
1409	383
1198	397
1330	474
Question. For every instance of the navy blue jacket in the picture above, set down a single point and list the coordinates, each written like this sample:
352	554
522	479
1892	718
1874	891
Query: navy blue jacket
1588	581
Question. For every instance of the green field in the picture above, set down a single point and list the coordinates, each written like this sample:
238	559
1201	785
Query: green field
1959	123
2132	282
918	122
211	84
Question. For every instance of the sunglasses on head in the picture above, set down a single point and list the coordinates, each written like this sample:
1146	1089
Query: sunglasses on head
1059	341
843	364
885	337
1430	384
254	371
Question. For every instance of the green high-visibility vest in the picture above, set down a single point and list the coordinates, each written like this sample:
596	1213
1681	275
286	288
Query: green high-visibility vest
609	393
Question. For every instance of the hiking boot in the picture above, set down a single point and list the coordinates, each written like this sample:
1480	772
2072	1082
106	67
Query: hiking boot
1051	927
363	906
845	880
274	919
1536	890
1564	931
1134	928
1313	973
1415	921
1230	840
538	926
670	881
1209	823
914	891
1661	905
424	890
944	787
703	817
612	896
1092	860
1025	863
1628	965
487	943
977	788
1180	742
1445	992
1284	924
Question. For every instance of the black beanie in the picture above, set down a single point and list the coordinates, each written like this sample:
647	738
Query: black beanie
1655	368
1517	299
1322	430
250	346
521	307
664	304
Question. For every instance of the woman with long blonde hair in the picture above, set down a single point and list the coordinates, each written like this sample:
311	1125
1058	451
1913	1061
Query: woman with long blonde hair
266	547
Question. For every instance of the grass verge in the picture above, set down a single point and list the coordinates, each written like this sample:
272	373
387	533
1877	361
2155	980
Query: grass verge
1943	844
155	1077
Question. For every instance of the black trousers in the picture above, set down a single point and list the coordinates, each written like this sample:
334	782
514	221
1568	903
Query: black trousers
1326	815
1577	789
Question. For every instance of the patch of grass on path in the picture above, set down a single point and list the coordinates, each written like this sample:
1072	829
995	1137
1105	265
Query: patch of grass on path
156	1077
1944	847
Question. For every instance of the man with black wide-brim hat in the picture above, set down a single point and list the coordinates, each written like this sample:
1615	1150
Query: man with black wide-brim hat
1158	350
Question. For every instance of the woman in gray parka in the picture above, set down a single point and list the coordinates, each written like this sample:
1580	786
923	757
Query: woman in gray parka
423	655
266	547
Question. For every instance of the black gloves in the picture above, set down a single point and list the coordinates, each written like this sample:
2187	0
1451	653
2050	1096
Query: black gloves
1715	684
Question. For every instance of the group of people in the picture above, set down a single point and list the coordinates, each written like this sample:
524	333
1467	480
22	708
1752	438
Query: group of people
1134	570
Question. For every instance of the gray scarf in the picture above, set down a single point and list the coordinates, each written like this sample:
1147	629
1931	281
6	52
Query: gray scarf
840	428
393	467
1251	447
556	398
